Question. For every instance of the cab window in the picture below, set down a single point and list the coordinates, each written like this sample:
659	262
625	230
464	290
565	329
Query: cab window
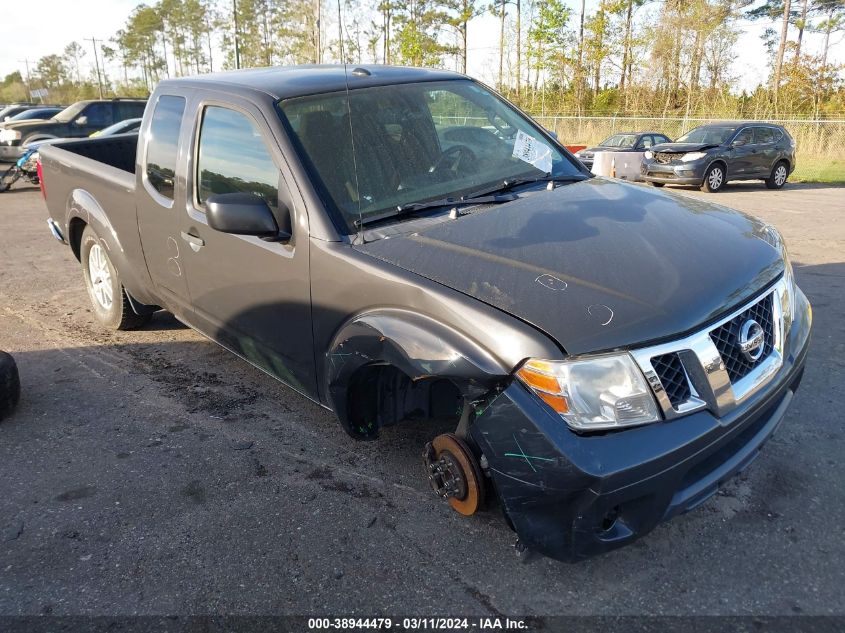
163	144
98	115
763	135
233	157
745	137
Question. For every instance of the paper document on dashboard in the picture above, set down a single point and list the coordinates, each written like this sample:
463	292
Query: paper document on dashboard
532	151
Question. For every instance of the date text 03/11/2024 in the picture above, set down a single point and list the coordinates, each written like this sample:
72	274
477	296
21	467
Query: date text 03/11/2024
420	623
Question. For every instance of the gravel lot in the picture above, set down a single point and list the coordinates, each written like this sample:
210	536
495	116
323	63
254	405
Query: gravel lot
152	472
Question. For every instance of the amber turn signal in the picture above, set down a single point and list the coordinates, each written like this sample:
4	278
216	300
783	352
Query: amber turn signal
539	377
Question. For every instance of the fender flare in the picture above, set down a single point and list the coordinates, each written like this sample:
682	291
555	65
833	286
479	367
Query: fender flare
83	206
419	346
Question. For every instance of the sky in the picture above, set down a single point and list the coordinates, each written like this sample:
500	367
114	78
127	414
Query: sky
61	22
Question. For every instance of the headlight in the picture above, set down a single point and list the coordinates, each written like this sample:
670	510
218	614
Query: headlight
691	156
648	154
9	135
602	392
787	298
579	154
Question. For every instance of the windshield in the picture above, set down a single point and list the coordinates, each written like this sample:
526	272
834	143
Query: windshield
70	112
388	146
619	140
707	135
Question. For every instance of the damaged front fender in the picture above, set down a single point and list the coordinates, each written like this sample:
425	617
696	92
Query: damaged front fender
417	346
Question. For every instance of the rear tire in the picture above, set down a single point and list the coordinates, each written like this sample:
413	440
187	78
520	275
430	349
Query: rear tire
108	296
10	385
780	172
714	179
657	184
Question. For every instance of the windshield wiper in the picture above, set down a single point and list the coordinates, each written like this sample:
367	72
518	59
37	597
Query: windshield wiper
411	207
510	183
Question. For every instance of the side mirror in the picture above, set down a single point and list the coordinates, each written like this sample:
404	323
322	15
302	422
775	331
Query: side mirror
82	120
739	142
245	214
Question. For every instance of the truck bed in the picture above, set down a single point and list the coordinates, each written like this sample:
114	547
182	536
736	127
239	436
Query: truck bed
115	151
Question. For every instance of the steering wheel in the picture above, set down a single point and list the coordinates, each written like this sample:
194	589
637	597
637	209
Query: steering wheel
453	159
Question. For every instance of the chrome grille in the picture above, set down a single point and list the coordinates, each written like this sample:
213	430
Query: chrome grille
726	339
665	157
707	369
672	376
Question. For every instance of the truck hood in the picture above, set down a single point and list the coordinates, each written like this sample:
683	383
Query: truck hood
597	265
41	125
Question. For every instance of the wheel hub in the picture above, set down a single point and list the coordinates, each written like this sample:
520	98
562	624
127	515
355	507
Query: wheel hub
453	473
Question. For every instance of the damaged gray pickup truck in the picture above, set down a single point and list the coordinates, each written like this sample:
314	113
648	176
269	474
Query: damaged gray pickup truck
401	243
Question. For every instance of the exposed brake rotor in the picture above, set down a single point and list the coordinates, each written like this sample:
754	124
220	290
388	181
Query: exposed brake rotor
454	473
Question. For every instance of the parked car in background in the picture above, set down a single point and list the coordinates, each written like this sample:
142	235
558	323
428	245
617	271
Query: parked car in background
711	155
607	354
37	113
121	127
78	120
15	108
622	142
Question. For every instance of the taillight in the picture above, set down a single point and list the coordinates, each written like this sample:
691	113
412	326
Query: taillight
40	173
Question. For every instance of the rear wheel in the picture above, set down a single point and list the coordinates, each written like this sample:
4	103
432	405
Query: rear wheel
657	184
714	179
108	296
778	177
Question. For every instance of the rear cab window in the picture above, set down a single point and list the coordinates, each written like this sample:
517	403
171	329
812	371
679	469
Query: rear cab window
163	144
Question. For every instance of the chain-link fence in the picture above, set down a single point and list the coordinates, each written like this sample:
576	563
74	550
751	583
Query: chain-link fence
820	143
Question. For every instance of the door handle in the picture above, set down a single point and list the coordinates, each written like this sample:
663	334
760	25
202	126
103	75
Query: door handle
193	240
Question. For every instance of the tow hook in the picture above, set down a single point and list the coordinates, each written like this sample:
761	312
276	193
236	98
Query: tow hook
454	473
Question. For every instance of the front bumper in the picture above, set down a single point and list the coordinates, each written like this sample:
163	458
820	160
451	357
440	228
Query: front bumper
691	173
571	496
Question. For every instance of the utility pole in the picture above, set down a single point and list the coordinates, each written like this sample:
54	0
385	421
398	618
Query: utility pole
28	85
340	31
319	55
97	64
237	45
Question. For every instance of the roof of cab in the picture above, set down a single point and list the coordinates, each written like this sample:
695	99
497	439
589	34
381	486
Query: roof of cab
282	82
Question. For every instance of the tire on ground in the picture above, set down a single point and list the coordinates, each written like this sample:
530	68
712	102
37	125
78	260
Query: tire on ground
780	172
109	300
714	178
10	385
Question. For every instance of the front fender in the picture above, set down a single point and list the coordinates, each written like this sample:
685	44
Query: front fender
415	344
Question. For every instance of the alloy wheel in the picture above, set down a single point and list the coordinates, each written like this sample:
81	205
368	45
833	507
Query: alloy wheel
715	178
100	275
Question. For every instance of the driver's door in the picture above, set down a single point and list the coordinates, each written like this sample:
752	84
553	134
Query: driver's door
742	154
252	296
